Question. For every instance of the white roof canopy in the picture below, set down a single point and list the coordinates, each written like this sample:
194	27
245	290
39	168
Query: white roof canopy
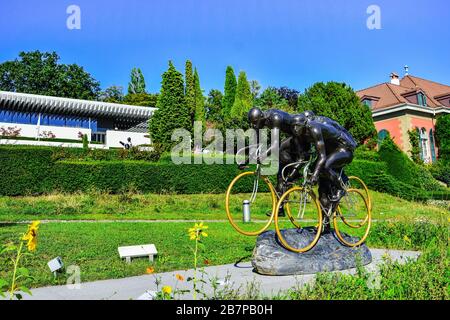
83	108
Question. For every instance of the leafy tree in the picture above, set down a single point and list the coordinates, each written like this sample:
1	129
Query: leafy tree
172	111
255	87
214	106
190	89
38	72
415	148
137	83
340	103
112	94
199	100
290	95
243	101
442	135
270	99
229	93
141	99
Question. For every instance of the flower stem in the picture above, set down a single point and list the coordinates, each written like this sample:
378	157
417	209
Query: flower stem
16	263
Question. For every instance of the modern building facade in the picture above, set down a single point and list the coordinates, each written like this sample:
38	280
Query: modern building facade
50	119
410	103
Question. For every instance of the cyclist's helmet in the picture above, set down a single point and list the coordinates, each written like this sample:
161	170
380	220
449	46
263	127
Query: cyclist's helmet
298	123
309	115
256	118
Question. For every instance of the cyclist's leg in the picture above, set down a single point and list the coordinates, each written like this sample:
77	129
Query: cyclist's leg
326	204
334	164
285	158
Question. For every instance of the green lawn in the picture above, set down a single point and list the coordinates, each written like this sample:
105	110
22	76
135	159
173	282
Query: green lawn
100	206
93	246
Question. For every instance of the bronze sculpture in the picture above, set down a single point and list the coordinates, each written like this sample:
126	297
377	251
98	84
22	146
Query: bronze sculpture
307	134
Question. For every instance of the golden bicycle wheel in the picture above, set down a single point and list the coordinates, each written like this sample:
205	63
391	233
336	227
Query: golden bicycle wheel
352	214
357	183
264	201
311	220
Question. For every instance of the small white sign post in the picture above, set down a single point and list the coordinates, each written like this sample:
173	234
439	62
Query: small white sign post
147	250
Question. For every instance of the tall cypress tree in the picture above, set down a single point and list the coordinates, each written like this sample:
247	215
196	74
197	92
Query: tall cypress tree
229	93
172	111
243	101
199	100
189	89
137	83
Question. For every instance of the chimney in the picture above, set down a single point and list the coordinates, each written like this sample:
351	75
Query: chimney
406	70
395	79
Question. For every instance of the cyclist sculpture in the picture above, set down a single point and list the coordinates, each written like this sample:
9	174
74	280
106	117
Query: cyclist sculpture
291	149
334	146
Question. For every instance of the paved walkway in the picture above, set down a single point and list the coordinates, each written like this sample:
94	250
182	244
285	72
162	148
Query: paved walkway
241	276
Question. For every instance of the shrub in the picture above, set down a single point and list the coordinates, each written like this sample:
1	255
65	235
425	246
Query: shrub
403	169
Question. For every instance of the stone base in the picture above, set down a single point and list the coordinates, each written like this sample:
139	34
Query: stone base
271	258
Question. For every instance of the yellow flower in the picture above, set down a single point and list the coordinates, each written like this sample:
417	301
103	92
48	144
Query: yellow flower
31	235
405	238
167	289
179	277
150	270
198	231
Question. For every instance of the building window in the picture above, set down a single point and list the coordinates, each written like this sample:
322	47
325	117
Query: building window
432	148
424	145
383	134
421	99
367	103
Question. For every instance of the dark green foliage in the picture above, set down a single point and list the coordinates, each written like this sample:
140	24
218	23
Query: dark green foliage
190	89
141	99
33	170
172	111
415	148
25	170
85	142
243	101
199	100
40	73
442	135
270	99
214	106
403	169
229	93
137	82
340	103
441	171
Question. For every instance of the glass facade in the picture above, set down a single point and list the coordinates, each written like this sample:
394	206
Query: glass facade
47	119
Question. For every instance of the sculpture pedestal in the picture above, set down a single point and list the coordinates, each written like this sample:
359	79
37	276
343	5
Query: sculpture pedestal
271	258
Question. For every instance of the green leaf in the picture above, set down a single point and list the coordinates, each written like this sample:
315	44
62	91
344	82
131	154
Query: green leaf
3	283
23	271
26	290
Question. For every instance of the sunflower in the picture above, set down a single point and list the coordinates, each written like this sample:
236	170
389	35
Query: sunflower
31	235
167	289
198	231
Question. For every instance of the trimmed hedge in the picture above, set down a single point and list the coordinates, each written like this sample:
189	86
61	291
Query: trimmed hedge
37	170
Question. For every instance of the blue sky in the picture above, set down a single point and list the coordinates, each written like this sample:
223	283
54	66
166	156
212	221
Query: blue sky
279	42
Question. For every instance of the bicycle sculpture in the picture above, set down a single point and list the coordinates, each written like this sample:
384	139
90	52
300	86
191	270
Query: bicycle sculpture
315	152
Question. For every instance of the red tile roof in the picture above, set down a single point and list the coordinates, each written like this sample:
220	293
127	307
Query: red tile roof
388	94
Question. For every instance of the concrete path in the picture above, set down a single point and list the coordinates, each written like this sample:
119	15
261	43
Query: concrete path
240	277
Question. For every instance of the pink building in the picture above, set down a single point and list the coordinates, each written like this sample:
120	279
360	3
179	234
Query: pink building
408	103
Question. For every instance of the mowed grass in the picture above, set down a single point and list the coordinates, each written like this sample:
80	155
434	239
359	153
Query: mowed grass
129	206
93	246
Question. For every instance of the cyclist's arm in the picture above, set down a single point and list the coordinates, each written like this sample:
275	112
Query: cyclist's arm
274	147
319	143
